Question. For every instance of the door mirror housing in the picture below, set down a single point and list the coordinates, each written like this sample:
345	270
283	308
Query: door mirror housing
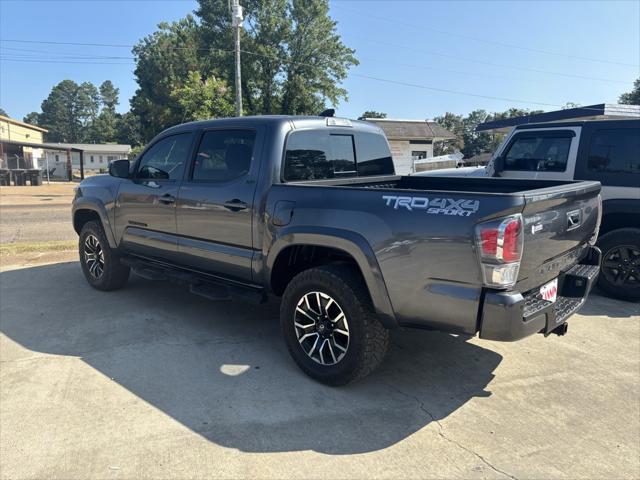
498	165
119	168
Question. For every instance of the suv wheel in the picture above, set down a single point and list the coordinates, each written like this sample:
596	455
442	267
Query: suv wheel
620	270
100	264
330	327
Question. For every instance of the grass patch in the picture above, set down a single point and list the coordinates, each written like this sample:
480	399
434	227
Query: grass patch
11	249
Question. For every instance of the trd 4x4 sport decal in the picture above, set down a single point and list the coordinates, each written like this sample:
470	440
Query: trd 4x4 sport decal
445	206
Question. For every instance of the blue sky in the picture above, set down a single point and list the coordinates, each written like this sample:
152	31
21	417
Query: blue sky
489	49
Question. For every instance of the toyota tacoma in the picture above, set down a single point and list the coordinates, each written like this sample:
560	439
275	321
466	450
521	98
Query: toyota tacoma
309	209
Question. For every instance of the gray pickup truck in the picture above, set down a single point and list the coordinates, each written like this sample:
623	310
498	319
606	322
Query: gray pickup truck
309	209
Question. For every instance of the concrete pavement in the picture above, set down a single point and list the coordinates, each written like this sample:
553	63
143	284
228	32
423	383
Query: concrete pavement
152	382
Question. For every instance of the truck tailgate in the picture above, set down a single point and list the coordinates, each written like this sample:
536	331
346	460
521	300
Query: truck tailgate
558	224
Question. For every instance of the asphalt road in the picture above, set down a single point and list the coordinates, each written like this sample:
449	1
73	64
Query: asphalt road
35	223
152	382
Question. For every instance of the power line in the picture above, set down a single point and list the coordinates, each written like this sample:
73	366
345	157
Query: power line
403	47
367	59
368	77
484	40
492	64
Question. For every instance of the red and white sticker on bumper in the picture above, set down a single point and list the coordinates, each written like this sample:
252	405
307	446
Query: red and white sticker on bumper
549	291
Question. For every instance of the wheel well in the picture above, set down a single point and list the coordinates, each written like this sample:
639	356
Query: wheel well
81	217
296	258
614	221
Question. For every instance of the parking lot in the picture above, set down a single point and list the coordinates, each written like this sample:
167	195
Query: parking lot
153	382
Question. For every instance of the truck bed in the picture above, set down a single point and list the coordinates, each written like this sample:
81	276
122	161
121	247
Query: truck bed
430	254
464	185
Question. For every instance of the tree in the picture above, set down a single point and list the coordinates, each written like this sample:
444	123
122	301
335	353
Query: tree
33	118
109	95
104	128
163	62
632	97
317	61
129	130
454	123
68	110
293	60
372	114
201	99
3	112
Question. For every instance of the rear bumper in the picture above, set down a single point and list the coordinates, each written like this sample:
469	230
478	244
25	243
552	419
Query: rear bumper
509	316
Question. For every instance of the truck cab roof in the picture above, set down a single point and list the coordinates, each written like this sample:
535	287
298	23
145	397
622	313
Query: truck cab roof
294	121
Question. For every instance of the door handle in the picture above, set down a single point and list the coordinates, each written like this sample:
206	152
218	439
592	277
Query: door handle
167	199
235	205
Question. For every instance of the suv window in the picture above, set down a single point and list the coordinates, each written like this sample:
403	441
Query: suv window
166	158
541	152
315	155
223	155
615	151
374	157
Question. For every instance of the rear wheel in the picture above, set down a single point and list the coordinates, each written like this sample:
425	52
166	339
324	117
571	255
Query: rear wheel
330	327
620	270
100	264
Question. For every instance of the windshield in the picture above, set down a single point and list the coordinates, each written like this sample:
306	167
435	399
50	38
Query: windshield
540	152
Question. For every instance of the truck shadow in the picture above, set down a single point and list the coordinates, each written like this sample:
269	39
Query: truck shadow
600	305
222	370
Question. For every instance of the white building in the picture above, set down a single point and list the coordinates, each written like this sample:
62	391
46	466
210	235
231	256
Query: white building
410	140
96	156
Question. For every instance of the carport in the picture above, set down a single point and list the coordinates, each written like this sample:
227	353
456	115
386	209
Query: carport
14	158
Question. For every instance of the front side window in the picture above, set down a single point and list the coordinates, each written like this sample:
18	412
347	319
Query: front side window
543	152
165	160
315	155
615	151
223	155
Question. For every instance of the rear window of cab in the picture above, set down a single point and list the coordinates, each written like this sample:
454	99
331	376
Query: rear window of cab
322	155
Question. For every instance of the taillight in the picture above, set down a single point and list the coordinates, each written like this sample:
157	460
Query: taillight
500	245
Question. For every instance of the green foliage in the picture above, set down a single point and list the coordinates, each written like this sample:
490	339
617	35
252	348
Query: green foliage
104	129
68	110
129	130
163	62
201	99
468	141
632	97
292	62
109	95
72	113
372	114
33	118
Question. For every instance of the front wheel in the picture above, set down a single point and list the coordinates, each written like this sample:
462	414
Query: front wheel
330	327
620	270
100	264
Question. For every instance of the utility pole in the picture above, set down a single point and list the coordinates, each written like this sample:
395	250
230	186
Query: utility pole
237	18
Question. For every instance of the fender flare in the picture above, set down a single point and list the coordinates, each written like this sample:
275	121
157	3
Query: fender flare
349	242
95	205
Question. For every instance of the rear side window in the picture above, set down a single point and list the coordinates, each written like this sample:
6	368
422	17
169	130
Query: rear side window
373	155
541	152
223	155
315	155
615	151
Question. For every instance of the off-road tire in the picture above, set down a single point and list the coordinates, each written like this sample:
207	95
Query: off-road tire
368	338
114	274
628	238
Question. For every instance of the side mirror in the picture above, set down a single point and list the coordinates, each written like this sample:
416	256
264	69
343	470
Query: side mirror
498	165
119	168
